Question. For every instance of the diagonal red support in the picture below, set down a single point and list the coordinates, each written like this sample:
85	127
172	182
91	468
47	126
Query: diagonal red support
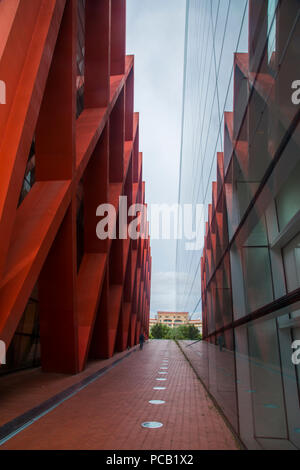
90	304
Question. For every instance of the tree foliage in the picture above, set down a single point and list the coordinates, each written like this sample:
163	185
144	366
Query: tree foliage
159	331
183	332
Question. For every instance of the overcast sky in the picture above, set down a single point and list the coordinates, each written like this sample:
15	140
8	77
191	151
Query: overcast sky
155	35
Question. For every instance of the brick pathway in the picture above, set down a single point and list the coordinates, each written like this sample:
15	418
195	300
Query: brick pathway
108	413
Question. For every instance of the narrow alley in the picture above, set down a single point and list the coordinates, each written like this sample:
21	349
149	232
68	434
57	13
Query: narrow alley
106	406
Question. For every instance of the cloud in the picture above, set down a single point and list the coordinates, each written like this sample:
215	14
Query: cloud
155	35
163	296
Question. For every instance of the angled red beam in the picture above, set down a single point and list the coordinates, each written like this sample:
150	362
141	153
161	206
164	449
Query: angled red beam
114	311
89	286
99	306
91	122
35	227
113	195
30	40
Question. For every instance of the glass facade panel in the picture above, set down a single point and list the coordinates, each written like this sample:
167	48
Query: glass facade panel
288	199
257	273
241	139
24	350
265	376
291	256
212	37
268	386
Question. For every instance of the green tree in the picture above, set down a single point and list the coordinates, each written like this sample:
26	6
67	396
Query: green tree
186	332
193	333
160	331
182	332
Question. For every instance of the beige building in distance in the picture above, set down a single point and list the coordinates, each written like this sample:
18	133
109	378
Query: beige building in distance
174	319
197	323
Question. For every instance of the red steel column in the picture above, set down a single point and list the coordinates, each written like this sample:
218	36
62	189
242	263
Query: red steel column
118	36
55	160
97	53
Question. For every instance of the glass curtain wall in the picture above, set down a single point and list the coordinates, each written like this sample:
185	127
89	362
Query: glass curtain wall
215	29
245	281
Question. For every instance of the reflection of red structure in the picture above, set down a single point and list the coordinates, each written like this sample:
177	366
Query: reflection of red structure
258	138
97	302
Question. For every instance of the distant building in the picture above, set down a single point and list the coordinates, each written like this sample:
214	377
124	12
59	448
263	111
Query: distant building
174	319
197	324
152	322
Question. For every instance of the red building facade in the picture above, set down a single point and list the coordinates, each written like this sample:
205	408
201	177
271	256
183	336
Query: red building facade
69	126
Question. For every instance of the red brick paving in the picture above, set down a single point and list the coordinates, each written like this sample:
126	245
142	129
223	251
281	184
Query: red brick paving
21	391
108	413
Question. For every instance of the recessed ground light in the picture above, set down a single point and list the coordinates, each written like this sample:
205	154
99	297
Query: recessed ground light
159	388
152	425
161	379
164	368
157	402
162	373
